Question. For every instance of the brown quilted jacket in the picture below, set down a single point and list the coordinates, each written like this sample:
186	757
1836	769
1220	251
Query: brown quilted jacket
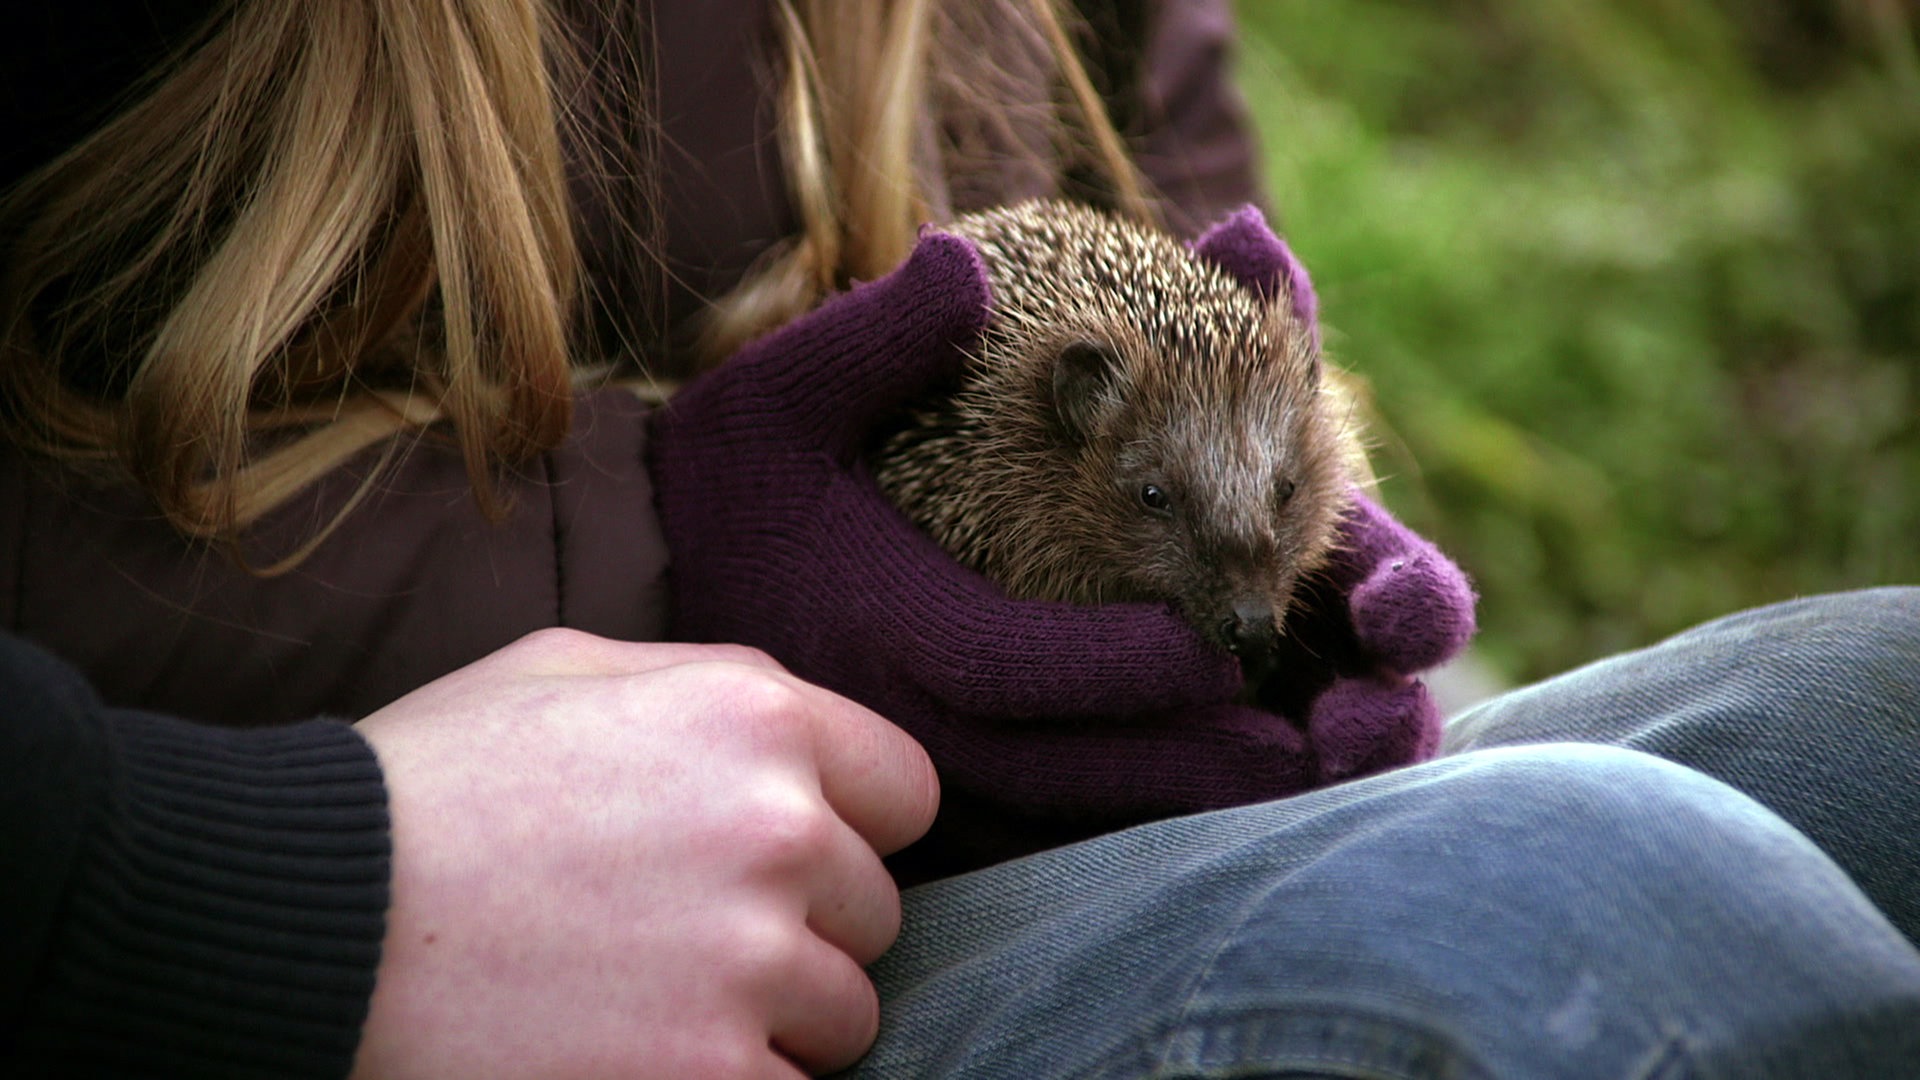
417	582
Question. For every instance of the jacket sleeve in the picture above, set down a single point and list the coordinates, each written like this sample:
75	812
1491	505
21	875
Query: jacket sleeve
416	581
181	900
1188	125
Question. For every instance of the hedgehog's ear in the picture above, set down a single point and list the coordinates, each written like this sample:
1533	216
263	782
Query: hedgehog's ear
1244	247
1086	376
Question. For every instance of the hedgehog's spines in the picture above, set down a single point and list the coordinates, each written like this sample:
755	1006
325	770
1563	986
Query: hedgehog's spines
1221	395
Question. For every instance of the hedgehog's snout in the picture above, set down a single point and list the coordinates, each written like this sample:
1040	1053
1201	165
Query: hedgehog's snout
1245	617
1250	631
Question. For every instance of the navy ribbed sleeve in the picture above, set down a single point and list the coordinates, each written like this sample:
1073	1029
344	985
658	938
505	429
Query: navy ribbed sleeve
179	899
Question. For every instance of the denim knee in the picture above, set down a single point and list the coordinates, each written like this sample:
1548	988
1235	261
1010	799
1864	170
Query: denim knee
1811	707
1841	650
1560	910
1539	911
1889	615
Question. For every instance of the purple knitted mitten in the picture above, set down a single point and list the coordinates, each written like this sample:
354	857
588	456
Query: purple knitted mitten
1390	605
781	541
1047	722
1243	246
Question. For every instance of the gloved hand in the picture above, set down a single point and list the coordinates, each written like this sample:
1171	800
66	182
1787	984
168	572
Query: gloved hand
1047	722
1389	606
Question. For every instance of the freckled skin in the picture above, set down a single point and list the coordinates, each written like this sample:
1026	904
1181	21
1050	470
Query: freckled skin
1135	425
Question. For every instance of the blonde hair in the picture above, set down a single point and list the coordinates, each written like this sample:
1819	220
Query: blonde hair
352	211
887	108
326	224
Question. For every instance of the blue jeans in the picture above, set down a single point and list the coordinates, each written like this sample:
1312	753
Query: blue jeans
1563	909
1811	707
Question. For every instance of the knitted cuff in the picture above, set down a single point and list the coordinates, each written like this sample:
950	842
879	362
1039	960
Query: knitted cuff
227	907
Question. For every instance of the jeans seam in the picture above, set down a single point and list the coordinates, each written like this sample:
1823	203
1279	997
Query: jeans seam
1671	1060
1330	1038
1220	945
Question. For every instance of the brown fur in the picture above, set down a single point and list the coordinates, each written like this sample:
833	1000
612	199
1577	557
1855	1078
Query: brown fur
1115	360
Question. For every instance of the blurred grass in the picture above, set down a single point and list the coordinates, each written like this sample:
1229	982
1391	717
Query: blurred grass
1636	287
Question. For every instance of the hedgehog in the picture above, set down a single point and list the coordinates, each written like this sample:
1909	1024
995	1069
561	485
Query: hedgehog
1134	424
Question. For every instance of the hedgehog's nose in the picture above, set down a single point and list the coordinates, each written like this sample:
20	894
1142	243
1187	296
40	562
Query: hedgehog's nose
1250	631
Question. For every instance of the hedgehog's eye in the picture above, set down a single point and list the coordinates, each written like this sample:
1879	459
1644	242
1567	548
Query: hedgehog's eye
1156	500
1283	492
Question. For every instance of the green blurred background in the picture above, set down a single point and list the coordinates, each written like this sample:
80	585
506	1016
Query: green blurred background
1635	286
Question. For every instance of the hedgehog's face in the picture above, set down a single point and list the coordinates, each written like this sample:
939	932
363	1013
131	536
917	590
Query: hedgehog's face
1226	494
1231	509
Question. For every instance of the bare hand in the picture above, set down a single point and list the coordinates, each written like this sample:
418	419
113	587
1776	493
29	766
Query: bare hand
635	860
